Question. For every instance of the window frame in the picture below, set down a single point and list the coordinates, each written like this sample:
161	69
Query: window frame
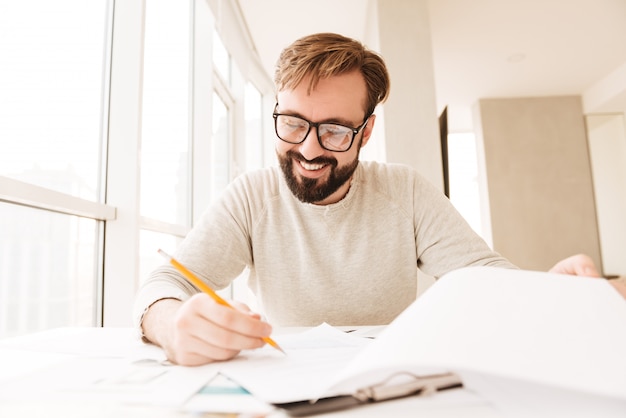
117	213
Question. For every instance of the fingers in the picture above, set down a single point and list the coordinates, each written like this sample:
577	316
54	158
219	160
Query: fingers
242	307
205	331
577	265
620	286
583	265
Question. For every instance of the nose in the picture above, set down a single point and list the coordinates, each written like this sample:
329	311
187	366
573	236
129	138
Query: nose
310	148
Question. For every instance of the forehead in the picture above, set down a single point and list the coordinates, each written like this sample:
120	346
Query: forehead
342	96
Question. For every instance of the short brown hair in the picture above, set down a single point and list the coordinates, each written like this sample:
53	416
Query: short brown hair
325	55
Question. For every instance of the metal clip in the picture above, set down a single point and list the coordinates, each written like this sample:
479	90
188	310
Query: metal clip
419	385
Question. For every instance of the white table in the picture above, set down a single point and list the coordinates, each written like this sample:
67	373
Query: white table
54	373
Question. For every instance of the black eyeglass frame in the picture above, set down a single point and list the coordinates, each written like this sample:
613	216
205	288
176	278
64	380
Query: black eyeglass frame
355	131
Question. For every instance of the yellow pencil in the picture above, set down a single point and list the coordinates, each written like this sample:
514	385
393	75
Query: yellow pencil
206	289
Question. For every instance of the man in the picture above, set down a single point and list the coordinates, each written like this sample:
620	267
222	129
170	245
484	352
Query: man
327	238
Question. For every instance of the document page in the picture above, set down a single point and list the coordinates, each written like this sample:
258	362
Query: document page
482	323
95	364
313	357
565	331
491	325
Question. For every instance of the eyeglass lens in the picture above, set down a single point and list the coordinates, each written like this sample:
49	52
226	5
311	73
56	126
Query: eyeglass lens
332	137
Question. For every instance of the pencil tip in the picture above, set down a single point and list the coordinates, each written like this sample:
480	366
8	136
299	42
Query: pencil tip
274	344
280	349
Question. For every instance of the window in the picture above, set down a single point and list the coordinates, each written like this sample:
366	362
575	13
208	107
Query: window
220	141
165	203
48	270
253	102
221	58
52	67
464	192
165	172
53	70
150	243
120	131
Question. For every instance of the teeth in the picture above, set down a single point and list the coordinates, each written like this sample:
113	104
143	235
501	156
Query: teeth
311	167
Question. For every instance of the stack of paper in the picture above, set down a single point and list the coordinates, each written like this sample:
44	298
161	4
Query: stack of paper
530	342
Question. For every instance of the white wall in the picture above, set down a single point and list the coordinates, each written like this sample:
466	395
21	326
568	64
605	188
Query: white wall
411	120
605	109
607	149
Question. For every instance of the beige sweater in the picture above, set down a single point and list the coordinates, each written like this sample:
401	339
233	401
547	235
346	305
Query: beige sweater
350	263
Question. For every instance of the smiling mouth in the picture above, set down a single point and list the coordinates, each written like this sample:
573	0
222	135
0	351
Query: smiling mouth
311	167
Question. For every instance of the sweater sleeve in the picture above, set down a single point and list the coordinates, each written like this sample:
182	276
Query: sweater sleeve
444	240
217	250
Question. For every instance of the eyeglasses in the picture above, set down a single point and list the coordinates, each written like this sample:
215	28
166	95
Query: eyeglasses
331	136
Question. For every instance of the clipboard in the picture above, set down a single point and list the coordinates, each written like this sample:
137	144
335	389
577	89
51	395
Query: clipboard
410	385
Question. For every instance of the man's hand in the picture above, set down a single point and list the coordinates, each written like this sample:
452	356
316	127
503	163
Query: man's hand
200	331
583	265
576	265
620	286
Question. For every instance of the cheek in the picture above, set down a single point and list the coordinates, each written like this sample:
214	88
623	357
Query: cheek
282	147
346	158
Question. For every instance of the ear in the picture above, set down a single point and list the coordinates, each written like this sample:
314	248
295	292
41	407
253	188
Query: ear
367	131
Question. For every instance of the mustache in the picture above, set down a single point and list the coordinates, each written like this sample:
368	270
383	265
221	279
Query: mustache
318	160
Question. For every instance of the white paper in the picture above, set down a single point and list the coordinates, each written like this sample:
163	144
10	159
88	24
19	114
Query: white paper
15	363
537	329
223	396
554	330
87	341
511	335
111	380
313	357
98	364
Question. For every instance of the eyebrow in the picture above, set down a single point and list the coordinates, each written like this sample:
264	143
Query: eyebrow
337	121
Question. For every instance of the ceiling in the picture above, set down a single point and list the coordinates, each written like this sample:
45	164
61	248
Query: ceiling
481	48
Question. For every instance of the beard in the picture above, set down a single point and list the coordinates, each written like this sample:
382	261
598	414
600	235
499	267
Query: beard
309	190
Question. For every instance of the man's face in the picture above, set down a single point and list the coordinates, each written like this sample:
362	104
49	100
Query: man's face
314	174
